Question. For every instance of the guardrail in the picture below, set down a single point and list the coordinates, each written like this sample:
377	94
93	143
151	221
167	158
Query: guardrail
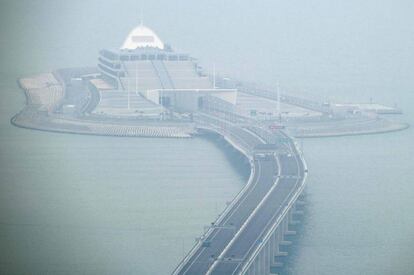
232	203
272	230
226	129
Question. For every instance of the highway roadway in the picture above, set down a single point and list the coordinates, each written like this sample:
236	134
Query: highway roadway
234	236
274	202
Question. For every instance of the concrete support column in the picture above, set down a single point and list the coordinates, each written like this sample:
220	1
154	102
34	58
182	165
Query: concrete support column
264	267
291	213
285	223
298	210
267	258
288	215
277	240
294	221
257	266
261	262
273	247
250	271
289	222
284	231
279	237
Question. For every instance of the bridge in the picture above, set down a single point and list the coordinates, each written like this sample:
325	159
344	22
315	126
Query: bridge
248	237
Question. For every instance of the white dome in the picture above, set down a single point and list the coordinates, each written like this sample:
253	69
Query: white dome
142	37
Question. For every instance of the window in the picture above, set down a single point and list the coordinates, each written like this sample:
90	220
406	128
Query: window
143	39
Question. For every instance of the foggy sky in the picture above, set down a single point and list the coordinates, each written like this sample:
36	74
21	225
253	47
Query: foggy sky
303	44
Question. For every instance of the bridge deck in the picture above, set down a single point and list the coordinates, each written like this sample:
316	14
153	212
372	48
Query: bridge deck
232	239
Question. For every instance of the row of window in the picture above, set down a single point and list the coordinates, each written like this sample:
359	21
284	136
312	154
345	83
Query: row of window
109	64
111	72
145	56
108	54
155	57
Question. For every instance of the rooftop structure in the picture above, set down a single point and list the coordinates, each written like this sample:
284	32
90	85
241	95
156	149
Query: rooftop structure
147	67
142	37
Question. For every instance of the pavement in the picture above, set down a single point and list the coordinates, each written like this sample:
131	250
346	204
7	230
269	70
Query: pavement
234	236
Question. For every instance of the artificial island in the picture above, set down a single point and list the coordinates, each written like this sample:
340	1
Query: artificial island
146	89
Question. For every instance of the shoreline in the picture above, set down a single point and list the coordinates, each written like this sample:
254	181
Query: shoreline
79	132
43	127
402	127
45	92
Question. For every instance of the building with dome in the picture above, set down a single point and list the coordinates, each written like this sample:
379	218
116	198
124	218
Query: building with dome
144	66
142	37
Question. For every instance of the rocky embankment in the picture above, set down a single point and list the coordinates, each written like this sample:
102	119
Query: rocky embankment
44	94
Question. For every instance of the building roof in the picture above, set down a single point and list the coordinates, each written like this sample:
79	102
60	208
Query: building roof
142	37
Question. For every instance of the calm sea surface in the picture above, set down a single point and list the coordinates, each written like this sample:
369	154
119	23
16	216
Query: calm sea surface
72	204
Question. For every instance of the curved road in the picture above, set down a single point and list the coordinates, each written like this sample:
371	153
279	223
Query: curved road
277	173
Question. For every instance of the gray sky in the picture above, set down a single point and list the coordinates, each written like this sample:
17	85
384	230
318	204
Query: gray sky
314	47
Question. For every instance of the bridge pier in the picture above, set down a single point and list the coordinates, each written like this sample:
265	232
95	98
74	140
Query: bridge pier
263	262
280	238
289	220
257	266
270	259
277	238
273	243
296	213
